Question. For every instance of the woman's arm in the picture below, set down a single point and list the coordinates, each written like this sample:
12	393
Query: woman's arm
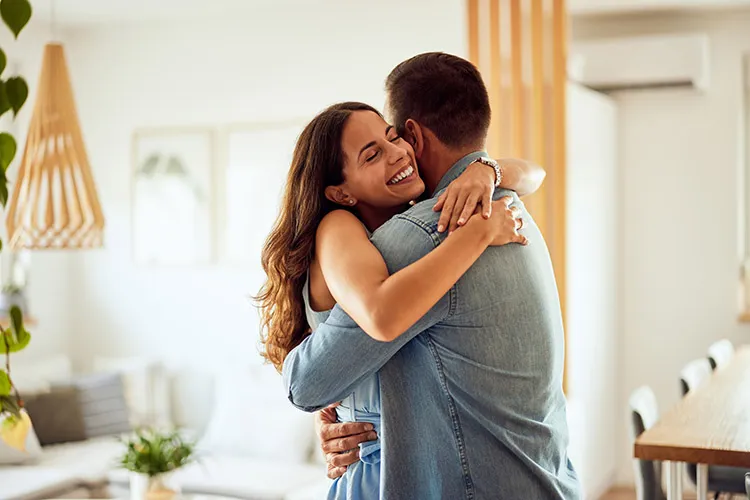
522	176
476	185
386	305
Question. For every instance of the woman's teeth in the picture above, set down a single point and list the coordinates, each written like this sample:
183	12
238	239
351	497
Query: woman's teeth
402	175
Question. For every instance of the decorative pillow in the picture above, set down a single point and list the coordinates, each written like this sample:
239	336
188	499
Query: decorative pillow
12	456
84	408
252	417
101	398
146	389
56	416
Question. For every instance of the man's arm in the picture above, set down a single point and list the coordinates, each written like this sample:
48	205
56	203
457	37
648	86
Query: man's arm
339	441
330	363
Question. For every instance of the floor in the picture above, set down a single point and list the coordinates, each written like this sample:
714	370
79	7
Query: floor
629	494
619	494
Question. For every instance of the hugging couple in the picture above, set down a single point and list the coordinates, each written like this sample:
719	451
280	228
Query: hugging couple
417	314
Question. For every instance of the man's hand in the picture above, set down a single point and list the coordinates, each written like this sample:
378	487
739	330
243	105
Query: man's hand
340	440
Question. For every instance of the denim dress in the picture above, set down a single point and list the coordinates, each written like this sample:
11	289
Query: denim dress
362	479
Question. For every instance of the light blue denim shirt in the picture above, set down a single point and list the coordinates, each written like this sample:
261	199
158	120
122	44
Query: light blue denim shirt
472	401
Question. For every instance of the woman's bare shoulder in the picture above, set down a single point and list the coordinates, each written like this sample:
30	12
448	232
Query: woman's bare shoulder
338	222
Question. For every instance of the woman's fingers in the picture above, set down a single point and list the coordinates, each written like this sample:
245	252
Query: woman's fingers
487	204
469	207
447	207
439	205
457	209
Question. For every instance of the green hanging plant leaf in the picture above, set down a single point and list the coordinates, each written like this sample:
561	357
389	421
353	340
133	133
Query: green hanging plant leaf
16	91
22	341
5	386
15	343
8	404
15	14
3	61
16	319
4	102
7	150
3	188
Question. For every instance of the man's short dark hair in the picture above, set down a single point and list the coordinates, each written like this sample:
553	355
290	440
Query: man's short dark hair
445	93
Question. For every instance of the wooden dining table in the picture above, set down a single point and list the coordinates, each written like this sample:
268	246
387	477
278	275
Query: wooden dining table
709	426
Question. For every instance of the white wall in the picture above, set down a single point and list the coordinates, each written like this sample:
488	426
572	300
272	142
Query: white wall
592	267
279	64
679	171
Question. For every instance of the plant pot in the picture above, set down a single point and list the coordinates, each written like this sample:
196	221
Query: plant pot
159	487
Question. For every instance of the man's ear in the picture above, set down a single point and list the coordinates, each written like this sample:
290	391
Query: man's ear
414	136
339	195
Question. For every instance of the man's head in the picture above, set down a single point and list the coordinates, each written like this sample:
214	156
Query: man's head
442	93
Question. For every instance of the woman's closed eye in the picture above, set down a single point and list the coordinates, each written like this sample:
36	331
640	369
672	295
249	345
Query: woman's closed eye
372	156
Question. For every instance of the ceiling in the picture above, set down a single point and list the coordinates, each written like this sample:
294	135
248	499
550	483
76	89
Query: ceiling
67	12
73	12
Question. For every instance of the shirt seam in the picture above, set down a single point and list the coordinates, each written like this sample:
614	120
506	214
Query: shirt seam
456	423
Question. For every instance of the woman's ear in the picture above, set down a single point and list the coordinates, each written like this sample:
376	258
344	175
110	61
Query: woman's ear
338	195
414	136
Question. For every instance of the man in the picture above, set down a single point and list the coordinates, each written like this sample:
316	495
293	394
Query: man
472	402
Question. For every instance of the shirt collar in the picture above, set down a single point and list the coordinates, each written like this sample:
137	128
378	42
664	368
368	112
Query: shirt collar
458	168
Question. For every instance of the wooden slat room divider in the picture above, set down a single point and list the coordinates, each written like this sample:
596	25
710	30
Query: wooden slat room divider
520	47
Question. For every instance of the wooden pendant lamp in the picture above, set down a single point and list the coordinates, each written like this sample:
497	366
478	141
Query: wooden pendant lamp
54	203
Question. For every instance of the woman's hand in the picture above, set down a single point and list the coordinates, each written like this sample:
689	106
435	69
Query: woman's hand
462	196
504	223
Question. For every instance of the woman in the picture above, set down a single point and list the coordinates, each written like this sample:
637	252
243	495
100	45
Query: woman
350	173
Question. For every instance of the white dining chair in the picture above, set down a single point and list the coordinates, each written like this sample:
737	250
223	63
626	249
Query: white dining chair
720	353
644	413
694	374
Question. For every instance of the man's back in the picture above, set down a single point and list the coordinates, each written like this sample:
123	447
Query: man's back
472	402
496	360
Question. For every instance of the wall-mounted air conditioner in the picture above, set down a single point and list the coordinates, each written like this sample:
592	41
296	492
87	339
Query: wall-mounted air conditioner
641	62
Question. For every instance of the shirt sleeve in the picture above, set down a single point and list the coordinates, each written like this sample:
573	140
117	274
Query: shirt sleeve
330	363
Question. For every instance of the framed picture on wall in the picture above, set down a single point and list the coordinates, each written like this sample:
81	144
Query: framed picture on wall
172	197
257	162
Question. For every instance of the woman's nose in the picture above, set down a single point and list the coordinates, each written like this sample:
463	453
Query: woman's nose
395	153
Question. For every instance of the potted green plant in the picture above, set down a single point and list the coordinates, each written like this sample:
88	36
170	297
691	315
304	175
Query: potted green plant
152	456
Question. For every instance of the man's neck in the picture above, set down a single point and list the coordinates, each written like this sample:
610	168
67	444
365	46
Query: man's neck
437	159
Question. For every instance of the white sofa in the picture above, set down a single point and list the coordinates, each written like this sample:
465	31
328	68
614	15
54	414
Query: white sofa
252	443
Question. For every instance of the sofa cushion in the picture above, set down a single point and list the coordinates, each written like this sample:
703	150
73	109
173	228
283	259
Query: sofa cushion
253	418
90	461
314	491
245	478
146	388
24	481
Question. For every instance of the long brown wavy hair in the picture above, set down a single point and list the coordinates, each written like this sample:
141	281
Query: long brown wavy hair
318	162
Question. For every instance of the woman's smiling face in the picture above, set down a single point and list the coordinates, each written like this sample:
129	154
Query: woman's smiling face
379	166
